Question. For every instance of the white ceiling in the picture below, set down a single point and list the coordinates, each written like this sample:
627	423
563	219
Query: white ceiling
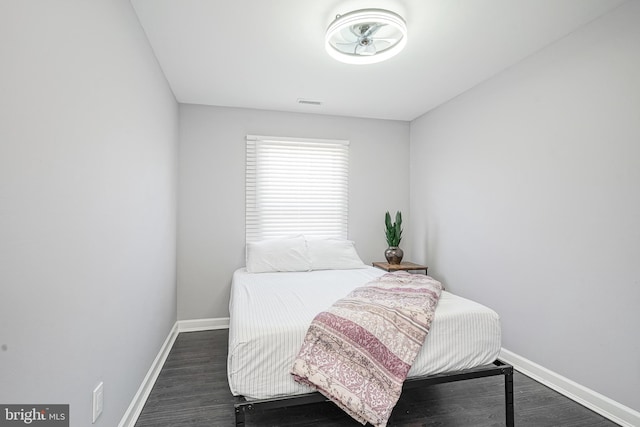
267	54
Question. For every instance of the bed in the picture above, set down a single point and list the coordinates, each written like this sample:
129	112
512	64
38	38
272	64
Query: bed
270	313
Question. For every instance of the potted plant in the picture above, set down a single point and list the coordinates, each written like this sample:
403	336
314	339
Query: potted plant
393	232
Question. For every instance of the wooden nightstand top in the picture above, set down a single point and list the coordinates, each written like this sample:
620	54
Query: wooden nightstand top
404	266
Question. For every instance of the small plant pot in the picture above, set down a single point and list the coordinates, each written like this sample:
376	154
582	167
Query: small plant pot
394	255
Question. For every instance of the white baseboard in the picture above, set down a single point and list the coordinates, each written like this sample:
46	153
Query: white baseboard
608	408
194	325
135	407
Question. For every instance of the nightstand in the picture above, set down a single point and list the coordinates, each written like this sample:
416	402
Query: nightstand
403	266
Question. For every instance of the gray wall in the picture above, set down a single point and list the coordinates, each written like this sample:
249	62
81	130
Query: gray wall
525	195
88	158
211	191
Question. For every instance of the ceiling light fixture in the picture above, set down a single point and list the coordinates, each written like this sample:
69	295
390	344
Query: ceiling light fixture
366	36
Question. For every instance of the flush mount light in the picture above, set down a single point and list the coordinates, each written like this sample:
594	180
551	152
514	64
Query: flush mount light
366	36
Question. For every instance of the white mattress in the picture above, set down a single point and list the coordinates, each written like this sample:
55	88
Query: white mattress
270	314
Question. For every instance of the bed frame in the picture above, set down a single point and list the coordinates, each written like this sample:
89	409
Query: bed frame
242	406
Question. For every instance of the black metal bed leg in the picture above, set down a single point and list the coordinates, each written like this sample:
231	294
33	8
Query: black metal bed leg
508	397
239	416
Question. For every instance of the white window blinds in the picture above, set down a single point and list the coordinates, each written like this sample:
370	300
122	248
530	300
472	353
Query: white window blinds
296	186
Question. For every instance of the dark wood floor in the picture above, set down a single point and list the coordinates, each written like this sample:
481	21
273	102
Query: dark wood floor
192	390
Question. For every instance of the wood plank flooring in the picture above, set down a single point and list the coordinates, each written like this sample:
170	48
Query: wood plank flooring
192	390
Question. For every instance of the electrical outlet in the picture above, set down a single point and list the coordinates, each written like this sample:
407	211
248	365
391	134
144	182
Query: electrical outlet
98	401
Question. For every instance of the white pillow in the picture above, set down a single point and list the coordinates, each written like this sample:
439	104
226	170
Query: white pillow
333	254
289	254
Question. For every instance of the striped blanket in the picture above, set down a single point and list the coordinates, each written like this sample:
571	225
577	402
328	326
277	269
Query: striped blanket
359	352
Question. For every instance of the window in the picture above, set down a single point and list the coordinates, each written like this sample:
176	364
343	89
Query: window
296	186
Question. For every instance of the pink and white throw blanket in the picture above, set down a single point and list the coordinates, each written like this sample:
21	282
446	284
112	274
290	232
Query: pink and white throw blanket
359	352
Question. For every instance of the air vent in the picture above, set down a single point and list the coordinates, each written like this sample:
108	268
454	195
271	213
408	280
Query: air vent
309	102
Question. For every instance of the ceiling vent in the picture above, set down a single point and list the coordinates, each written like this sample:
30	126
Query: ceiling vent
309	102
